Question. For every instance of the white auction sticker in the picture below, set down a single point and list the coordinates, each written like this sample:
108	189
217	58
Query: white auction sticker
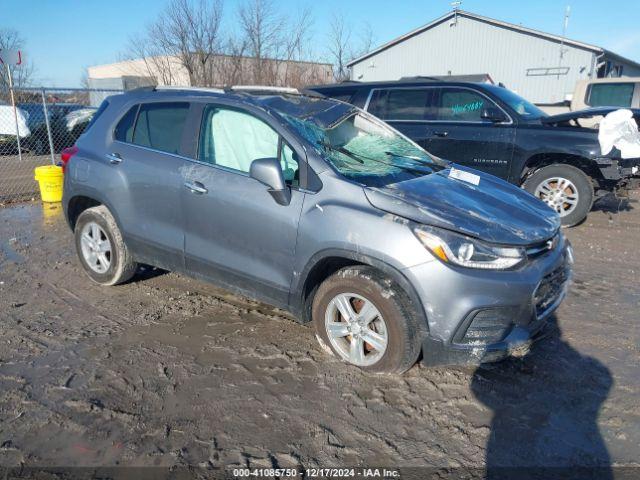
464	176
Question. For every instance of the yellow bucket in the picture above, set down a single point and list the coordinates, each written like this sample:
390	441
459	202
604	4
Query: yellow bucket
51	179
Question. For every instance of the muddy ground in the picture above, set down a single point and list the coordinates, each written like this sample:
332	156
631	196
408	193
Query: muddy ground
167	371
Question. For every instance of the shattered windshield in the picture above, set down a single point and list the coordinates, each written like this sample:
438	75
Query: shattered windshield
366	150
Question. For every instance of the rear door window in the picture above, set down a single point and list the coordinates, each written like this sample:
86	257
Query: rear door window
160	125
401	104
460	105
610	94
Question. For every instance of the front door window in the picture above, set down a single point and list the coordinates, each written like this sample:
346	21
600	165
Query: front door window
233	139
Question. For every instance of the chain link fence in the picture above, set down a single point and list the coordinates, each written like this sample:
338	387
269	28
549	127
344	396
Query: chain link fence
36	124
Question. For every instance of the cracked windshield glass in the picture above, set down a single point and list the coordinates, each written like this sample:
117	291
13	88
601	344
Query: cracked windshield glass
367	151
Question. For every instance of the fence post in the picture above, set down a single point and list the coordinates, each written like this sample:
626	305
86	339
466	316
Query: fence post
46	119
15	112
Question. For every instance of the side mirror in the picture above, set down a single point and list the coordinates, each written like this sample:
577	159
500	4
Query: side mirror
269	172
493	114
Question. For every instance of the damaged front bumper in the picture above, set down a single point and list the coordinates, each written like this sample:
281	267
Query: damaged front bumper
623	174
496	315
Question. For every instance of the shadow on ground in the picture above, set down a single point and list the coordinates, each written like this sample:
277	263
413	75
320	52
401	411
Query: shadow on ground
545	411
613	204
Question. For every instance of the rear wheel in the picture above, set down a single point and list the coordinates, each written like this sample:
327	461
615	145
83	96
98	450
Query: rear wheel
566	189
365	319
101	249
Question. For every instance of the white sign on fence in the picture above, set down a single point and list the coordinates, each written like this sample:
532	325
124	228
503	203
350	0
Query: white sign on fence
10	57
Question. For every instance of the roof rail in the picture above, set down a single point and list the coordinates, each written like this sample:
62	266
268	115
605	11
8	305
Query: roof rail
264	88
420	77
146	88
190	89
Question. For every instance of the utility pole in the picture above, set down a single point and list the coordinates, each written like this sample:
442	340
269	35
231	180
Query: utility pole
565	25
456	6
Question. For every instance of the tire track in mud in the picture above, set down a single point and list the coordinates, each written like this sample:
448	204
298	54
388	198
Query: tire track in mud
167	370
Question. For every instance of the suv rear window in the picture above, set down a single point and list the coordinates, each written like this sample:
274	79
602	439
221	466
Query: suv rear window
158	126
610	94
400	104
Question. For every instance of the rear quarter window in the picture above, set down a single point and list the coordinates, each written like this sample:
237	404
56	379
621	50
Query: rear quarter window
124	129
103	106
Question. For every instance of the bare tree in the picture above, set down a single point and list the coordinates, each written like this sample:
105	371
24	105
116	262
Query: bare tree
297	54
234	63
262	28
339	38
367	39
266	47
185	37
342	49
156	63
279	46
22	74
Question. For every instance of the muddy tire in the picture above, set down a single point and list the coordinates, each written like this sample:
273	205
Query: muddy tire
566	189
365	319
101	249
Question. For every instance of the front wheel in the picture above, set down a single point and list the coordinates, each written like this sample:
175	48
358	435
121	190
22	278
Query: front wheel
566	189
365	319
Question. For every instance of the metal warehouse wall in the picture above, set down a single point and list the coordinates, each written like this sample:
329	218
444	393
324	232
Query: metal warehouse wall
478	47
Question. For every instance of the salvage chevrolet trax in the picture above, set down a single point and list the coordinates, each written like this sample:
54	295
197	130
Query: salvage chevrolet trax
315	206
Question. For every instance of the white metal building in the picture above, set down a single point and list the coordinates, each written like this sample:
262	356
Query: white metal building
539	66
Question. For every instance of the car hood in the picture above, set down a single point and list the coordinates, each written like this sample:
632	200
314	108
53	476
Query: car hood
493	210
585	113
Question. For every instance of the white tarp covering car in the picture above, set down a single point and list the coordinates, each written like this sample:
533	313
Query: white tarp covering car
78	117
8	122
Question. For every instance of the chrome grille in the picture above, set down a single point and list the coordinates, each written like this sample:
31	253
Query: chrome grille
543	247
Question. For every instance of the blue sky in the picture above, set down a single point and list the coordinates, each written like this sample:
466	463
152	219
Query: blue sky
65	36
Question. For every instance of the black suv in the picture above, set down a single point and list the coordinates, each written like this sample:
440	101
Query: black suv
491	128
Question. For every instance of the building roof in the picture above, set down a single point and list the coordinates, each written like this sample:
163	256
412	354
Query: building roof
498	23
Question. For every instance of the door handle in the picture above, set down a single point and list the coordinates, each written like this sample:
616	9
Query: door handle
440	133
196	187
114	158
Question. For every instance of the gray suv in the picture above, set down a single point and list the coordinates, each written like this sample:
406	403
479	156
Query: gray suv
313	205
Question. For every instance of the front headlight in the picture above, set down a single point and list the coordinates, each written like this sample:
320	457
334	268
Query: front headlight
468	252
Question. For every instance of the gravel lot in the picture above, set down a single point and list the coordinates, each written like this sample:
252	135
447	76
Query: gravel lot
169	371
16	176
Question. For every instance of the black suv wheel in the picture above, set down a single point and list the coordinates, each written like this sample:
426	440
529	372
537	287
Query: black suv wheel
566	189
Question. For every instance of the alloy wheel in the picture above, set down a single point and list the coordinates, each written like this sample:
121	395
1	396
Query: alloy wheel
559	193
356	329
96	247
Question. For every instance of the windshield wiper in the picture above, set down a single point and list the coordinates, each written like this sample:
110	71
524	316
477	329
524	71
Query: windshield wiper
342	150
